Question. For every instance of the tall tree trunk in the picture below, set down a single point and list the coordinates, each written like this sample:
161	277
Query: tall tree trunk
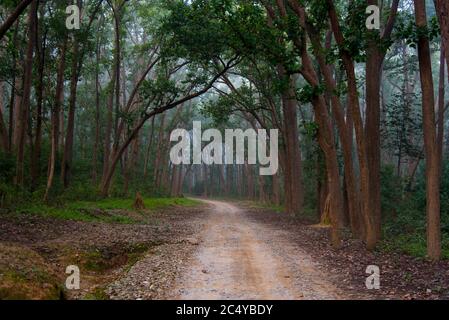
374	61
13	17
67	157
36	155
4	139
149	148
117	19
131	167
441	94
345	131
176	181
27	82
249	181
158	161
442	11
372	133
276	198
55	118
97	115
430	143
294	189
353	101
14	82
109	119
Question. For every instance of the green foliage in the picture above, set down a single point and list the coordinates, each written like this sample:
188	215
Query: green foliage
193	31
307	93
406	29
420	194
405	213
310	129
403	126
7	167
99	210
414	244
98	293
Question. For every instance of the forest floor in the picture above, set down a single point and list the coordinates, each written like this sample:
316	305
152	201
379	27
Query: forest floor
214	250
35	249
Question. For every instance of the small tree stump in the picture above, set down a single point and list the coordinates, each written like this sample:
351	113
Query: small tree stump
138	202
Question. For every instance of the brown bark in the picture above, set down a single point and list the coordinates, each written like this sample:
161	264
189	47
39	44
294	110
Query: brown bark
118	61
97	116
68	146
36	154
442	10
14	16
138	202
249	174
18	93
130	163
174	180
110	104
344	129
326	141
59	96
441	93
12	102
353	102
27	82
429	124
276	198
177	178
149	148
325	137
294	190
157	164
134	94
4	139
375	57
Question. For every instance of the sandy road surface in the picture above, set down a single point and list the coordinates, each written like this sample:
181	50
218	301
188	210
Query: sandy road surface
241	259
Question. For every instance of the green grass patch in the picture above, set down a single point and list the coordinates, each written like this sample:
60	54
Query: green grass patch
413	244
72	212
96	211
268	206
155	203
126	204
274	207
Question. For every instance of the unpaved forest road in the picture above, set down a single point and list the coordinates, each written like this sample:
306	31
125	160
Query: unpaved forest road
242	259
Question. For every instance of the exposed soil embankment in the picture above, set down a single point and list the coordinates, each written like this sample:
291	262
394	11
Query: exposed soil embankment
35	251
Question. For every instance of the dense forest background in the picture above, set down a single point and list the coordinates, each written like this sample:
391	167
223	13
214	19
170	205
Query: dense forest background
87	113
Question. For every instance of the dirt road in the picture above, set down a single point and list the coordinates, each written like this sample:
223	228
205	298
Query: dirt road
238	258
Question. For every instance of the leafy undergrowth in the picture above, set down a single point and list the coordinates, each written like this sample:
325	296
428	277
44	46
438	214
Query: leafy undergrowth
414	244
308	215
404	237
106	210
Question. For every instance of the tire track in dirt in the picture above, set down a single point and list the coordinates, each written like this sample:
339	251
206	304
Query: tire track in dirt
241	259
